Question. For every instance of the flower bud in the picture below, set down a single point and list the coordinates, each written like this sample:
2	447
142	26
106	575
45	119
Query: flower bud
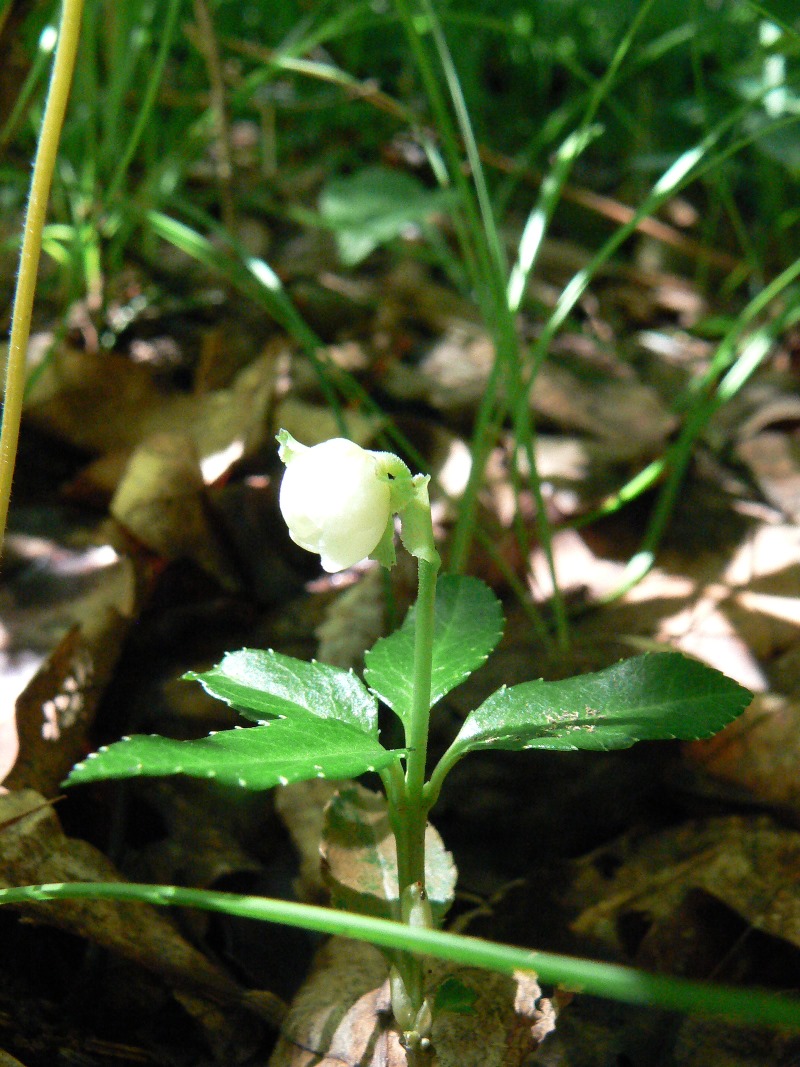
335	498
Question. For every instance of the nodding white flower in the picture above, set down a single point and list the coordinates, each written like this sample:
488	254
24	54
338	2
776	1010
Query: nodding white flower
335	498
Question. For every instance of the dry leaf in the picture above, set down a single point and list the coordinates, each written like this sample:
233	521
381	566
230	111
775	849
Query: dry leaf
207	834
702	1042
359	857
301	807
625	415
750	865
106	403
161	502
773	458
34	849
6	1060
65	614
341	1017
760	752
353	622
313	424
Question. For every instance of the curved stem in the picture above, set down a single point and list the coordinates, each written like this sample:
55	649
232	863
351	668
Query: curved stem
602	979
433	787
58	93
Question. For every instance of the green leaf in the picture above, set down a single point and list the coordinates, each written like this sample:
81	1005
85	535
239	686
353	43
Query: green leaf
652	697
468	625
454	995
374	206
263	684
360	858
258	757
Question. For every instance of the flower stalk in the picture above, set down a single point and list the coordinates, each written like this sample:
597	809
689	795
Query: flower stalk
340	500
409	1004
43	167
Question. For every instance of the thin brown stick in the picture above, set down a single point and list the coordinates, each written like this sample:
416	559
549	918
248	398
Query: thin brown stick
206	42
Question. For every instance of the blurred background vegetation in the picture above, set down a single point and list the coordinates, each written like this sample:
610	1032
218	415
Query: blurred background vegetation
442	131
297	84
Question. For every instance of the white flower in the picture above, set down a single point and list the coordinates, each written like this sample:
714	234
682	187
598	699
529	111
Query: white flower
336	500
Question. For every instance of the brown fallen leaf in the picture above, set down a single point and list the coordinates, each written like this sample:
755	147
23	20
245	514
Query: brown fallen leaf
341	1017
161	501
748	864
353	622
206	835
701	1042
622	413
760	752
301	808
34	849
311	423
773	458
65	614
105	403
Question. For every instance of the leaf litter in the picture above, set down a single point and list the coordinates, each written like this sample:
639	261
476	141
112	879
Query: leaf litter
190	479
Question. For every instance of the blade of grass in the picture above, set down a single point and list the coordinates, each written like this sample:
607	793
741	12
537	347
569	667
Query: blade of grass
690	165
686	168
263	287
206	41
739	370
148	100
487	259
47	42
608	980
256	280
125	31
507	302
538	220
468	231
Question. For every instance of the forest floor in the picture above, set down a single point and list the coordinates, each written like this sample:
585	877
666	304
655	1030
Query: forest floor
145	542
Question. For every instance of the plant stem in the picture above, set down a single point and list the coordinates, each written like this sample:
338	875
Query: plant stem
412	819
44	164
417	731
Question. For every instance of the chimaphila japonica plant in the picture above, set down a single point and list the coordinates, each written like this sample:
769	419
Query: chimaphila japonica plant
314	720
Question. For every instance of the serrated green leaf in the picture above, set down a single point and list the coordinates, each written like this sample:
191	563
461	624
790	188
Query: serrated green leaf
360	858
657	696
258	757
468	625
263	684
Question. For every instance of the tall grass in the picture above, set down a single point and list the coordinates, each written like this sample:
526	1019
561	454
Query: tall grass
581	82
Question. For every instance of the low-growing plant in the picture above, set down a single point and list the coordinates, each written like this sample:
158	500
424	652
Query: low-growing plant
314	720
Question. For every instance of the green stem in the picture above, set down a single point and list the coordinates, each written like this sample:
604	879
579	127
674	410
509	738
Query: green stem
411	819
602	979
417	731
44	164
